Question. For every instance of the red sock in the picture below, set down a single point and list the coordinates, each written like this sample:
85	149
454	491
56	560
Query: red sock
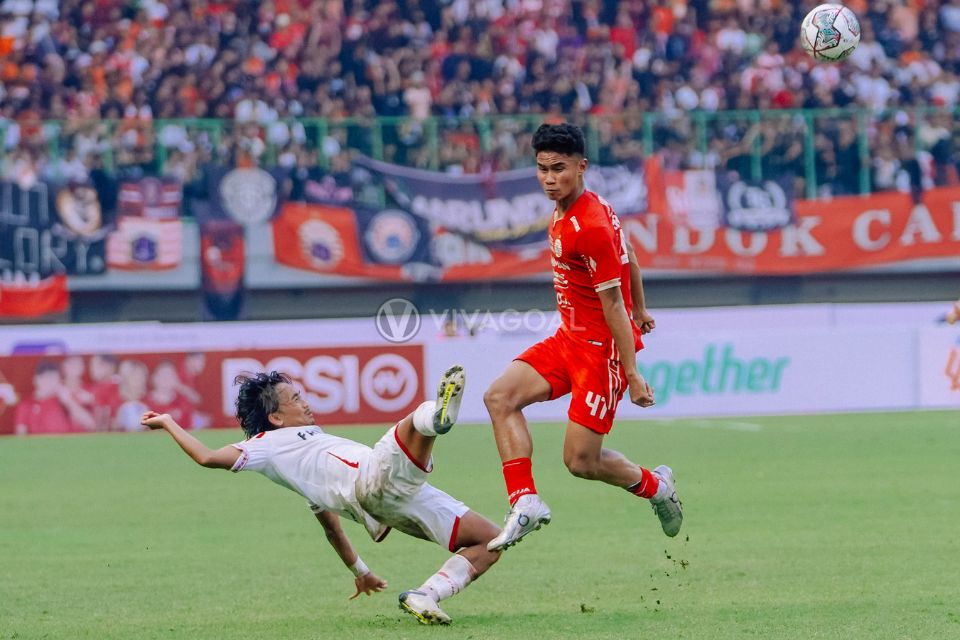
648	485
519	476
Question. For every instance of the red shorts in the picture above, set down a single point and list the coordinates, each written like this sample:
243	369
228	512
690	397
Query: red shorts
591	372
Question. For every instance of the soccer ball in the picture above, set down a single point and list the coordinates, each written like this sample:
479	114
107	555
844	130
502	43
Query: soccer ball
830	32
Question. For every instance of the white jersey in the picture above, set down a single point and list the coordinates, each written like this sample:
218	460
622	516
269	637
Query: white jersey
320	467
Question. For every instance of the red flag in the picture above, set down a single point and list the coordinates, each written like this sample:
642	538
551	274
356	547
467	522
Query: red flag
144	244
34	299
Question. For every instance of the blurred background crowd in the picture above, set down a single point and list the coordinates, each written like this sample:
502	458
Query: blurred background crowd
89	86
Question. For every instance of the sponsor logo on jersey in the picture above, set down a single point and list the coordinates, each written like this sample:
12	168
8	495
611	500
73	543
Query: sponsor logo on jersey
349	463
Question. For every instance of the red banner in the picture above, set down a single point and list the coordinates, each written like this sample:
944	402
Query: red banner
326	239
323	238
34	299
828	235
102	392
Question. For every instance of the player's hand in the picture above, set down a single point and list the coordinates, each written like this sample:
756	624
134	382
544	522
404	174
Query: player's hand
641	393
645	321
368	583
154	420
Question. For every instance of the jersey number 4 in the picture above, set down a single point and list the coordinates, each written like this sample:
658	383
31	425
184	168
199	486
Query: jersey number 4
597	404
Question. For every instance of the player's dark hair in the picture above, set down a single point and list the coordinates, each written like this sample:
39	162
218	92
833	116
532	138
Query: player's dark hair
562	138
45	366
257	399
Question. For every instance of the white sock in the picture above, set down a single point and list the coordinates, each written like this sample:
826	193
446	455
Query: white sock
423	418
452	578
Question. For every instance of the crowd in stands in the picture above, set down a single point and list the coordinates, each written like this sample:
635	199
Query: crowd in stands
95	75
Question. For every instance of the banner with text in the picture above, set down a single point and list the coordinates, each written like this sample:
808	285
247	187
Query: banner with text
78	393
47	231
825	235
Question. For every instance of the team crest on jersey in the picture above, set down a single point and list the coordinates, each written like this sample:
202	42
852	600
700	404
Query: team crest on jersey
557	248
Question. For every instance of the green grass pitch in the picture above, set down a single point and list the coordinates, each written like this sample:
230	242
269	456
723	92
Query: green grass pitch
840	526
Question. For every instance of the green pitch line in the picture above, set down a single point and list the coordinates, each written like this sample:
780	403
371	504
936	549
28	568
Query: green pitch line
841	526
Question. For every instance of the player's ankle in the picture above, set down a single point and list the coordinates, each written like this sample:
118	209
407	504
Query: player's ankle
518	475
423	418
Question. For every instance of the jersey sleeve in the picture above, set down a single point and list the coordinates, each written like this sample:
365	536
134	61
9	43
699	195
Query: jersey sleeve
597	246
254	455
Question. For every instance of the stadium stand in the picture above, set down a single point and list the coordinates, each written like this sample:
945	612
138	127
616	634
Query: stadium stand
109	91
94	77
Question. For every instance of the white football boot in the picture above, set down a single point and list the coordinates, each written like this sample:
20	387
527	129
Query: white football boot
527	514
665	503
423	607
449	395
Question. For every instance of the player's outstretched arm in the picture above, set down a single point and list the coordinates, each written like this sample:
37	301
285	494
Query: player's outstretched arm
640	314
223	458
615	314
364	580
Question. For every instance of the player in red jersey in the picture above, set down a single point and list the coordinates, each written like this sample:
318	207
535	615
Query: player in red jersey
600	299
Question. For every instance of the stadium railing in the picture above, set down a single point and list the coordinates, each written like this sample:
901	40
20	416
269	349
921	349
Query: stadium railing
838	148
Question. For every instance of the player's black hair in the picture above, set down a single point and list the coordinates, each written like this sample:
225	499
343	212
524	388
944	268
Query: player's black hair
257	399
45	366
562	138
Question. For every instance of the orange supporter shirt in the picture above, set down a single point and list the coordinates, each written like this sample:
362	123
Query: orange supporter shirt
661	19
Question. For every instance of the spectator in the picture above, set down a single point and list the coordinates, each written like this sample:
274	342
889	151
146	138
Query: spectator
262	64
104	387
132	389
169	394
51	408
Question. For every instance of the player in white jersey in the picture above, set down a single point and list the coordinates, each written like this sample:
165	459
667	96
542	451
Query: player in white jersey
382	488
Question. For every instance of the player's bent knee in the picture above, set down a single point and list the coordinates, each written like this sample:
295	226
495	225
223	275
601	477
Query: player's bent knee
581	467
498	400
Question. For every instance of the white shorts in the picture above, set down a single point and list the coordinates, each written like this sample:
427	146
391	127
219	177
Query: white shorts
393	488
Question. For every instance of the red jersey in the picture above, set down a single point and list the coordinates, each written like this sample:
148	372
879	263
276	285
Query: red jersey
588	254
106	398
44	416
